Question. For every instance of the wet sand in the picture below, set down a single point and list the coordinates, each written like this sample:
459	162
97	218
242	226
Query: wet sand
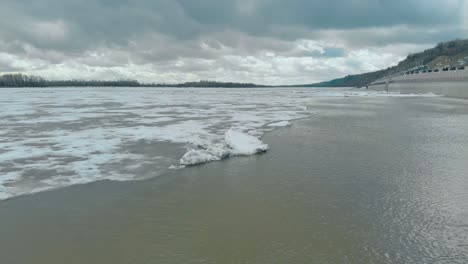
365	180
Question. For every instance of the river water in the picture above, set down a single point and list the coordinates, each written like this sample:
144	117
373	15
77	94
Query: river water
365	178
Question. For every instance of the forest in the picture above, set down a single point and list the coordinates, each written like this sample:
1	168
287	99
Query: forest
22	80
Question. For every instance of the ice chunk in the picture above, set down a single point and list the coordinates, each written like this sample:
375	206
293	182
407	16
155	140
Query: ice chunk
235	143
242	143
280	124
204	155
194	157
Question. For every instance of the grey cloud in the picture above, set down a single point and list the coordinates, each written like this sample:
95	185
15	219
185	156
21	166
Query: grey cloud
104	22
7	66
266	16
122	33
367	37
328	52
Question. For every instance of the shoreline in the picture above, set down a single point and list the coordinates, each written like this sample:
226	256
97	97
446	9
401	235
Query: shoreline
453	84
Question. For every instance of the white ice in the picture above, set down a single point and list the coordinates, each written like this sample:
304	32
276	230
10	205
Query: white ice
56	137
280	124
236	143
51	138
241	143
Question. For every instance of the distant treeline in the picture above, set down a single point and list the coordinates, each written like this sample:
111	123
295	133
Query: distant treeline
22	80
212	84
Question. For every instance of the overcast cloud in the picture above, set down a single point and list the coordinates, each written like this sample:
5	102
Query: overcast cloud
261	41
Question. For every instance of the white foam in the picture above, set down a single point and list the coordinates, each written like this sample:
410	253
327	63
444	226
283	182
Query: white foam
71	135
368	93
6	191
347	92
75	133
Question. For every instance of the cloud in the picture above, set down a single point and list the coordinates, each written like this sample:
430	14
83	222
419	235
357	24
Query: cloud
265	41
53	31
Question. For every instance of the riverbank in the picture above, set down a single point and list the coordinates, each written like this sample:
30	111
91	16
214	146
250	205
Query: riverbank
364	180
453	83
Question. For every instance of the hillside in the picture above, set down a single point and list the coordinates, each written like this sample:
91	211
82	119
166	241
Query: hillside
444	54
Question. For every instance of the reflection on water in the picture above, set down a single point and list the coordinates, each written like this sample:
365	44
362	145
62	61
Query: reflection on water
389	186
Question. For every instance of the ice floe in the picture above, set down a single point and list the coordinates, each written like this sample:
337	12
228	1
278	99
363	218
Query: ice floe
57	137
241	143
236	143
280	124
52	138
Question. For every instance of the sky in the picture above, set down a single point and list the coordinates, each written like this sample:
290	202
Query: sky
261	41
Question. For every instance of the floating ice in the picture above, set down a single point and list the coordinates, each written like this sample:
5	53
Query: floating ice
241	143
280	124
204	155
235	143
56	137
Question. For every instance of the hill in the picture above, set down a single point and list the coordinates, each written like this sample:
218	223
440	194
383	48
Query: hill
445	54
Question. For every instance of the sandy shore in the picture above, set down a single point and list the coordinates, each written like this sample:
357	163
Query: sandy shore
365	180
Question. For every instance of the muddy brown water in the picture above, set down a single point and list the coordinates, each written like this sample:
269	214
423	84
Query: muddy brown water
365	180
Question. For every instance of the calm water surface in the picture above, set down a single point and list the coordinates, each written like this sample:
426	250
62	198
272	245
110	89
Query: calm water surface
364	180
